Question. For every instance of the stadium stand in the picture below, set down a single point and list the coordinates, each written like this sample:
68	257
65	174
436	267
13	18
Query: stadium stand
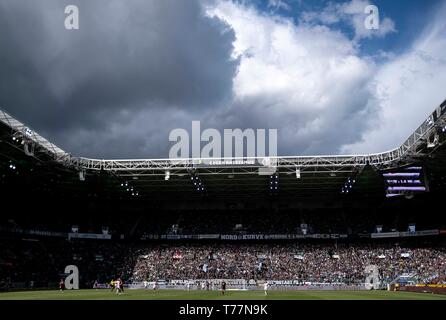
124	219
38	263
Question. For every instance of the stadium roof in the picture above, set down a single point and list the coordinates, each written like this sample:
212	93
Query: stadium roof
298	176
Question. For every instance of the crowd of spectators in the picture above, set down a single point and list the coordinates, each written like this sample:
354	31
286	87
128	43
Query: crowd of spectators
37	263
316	263
41	263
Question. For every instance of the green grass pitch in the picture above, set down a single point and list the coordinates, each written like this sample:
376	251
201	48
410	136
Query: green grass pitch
93	294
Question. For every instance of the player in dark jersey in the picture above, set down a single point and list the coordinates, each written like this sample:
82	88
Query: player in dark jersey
223	288
121	284
61	285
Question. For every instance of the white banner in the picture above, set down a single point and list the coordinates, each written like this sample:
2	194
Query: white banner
101	236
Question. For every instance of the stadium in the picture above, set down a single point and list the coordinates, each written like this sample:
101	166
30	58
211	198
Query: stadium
329	224
349	205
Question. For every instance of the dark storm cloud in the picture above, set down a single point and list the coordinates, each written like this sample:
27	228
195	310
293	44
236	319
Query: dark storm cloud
132	69
299	132
138	69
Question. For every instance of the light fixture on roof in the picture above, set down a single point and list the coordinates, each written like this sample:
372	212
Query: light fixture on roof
198	183
430	121
348	185
167	175
434	142
274	184
28	132
297	173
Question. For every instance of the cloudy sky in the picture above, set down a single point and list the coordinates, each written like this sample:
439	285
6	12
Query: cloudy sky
137	69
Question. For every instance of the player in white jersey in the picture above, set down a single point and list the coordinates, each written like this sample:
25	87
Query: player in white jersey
265	287
154	285
118	285
188	285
